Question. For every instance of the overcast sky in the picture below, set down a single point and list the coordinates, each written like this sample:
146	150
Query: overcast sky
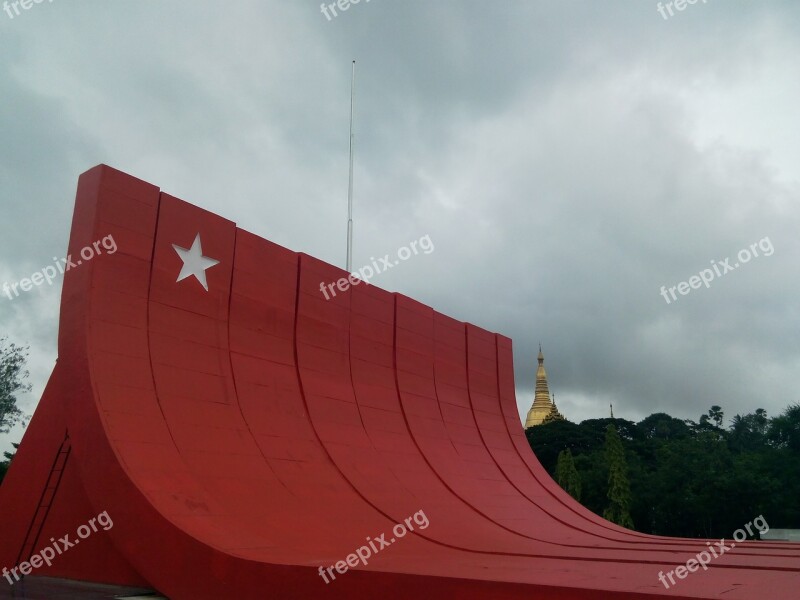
567	160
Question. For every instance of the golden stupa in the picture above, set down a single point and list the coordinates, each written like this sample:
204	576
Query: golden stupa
544	409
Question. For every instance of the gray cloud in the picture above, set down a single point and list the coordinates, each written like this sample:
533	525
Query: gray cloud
567	160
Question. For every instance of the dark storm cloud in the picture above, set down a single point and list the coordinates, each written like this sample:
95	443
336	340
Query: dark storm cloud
567	160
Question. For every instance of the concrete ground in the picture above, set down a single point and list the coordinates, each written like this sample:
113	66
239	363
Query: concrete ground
48	588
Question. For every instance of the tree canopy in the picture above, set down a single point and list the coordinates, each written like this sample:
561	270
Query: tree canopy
619	487
567	475
687	478
12	377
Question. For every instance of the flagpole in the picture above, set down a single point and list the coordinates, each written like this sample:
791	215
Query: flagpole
350	186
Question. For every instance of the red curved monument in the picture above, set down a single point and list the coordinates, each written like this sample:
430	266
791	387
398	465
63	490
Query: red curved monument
248	437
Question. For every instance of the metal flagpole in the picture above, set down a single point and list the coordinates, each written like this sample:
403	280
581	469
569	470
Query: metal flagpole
350	186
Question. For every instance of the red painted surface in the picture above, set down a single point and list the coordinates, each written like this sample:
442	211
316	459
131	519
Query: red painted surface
241	437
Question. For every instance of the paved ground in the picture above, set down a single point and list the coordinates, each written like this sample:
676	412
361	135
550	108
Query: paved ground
47	588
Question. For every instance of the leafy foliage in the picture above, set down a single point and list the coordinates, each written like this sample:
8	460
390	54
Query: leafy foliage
12	375
619	487
4	464
567	475
686	478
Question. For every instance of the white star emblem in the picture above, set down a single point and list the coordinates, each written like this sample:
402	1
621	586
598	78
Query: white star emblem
194	263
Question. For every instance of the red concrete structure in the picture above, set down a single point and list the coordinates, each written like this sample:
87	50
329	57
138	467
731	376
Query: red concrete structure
241	431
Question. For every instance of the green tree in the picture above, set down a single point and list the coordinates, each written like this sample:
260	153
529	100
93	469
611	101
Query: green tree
661	426
619	487
716	414
548	440
567	475
4	464
12	375
784	430
749	433
678	470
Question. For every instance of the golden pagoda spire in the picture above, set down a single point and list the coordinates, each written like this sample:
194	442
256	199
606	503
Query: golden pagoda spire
542	407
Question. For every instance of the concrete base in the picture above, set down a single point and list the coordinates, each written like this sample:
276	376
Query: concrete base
50	588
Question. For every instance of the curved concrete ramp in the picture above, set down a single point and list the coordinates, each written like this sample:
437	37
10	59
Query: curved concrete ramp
249	438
